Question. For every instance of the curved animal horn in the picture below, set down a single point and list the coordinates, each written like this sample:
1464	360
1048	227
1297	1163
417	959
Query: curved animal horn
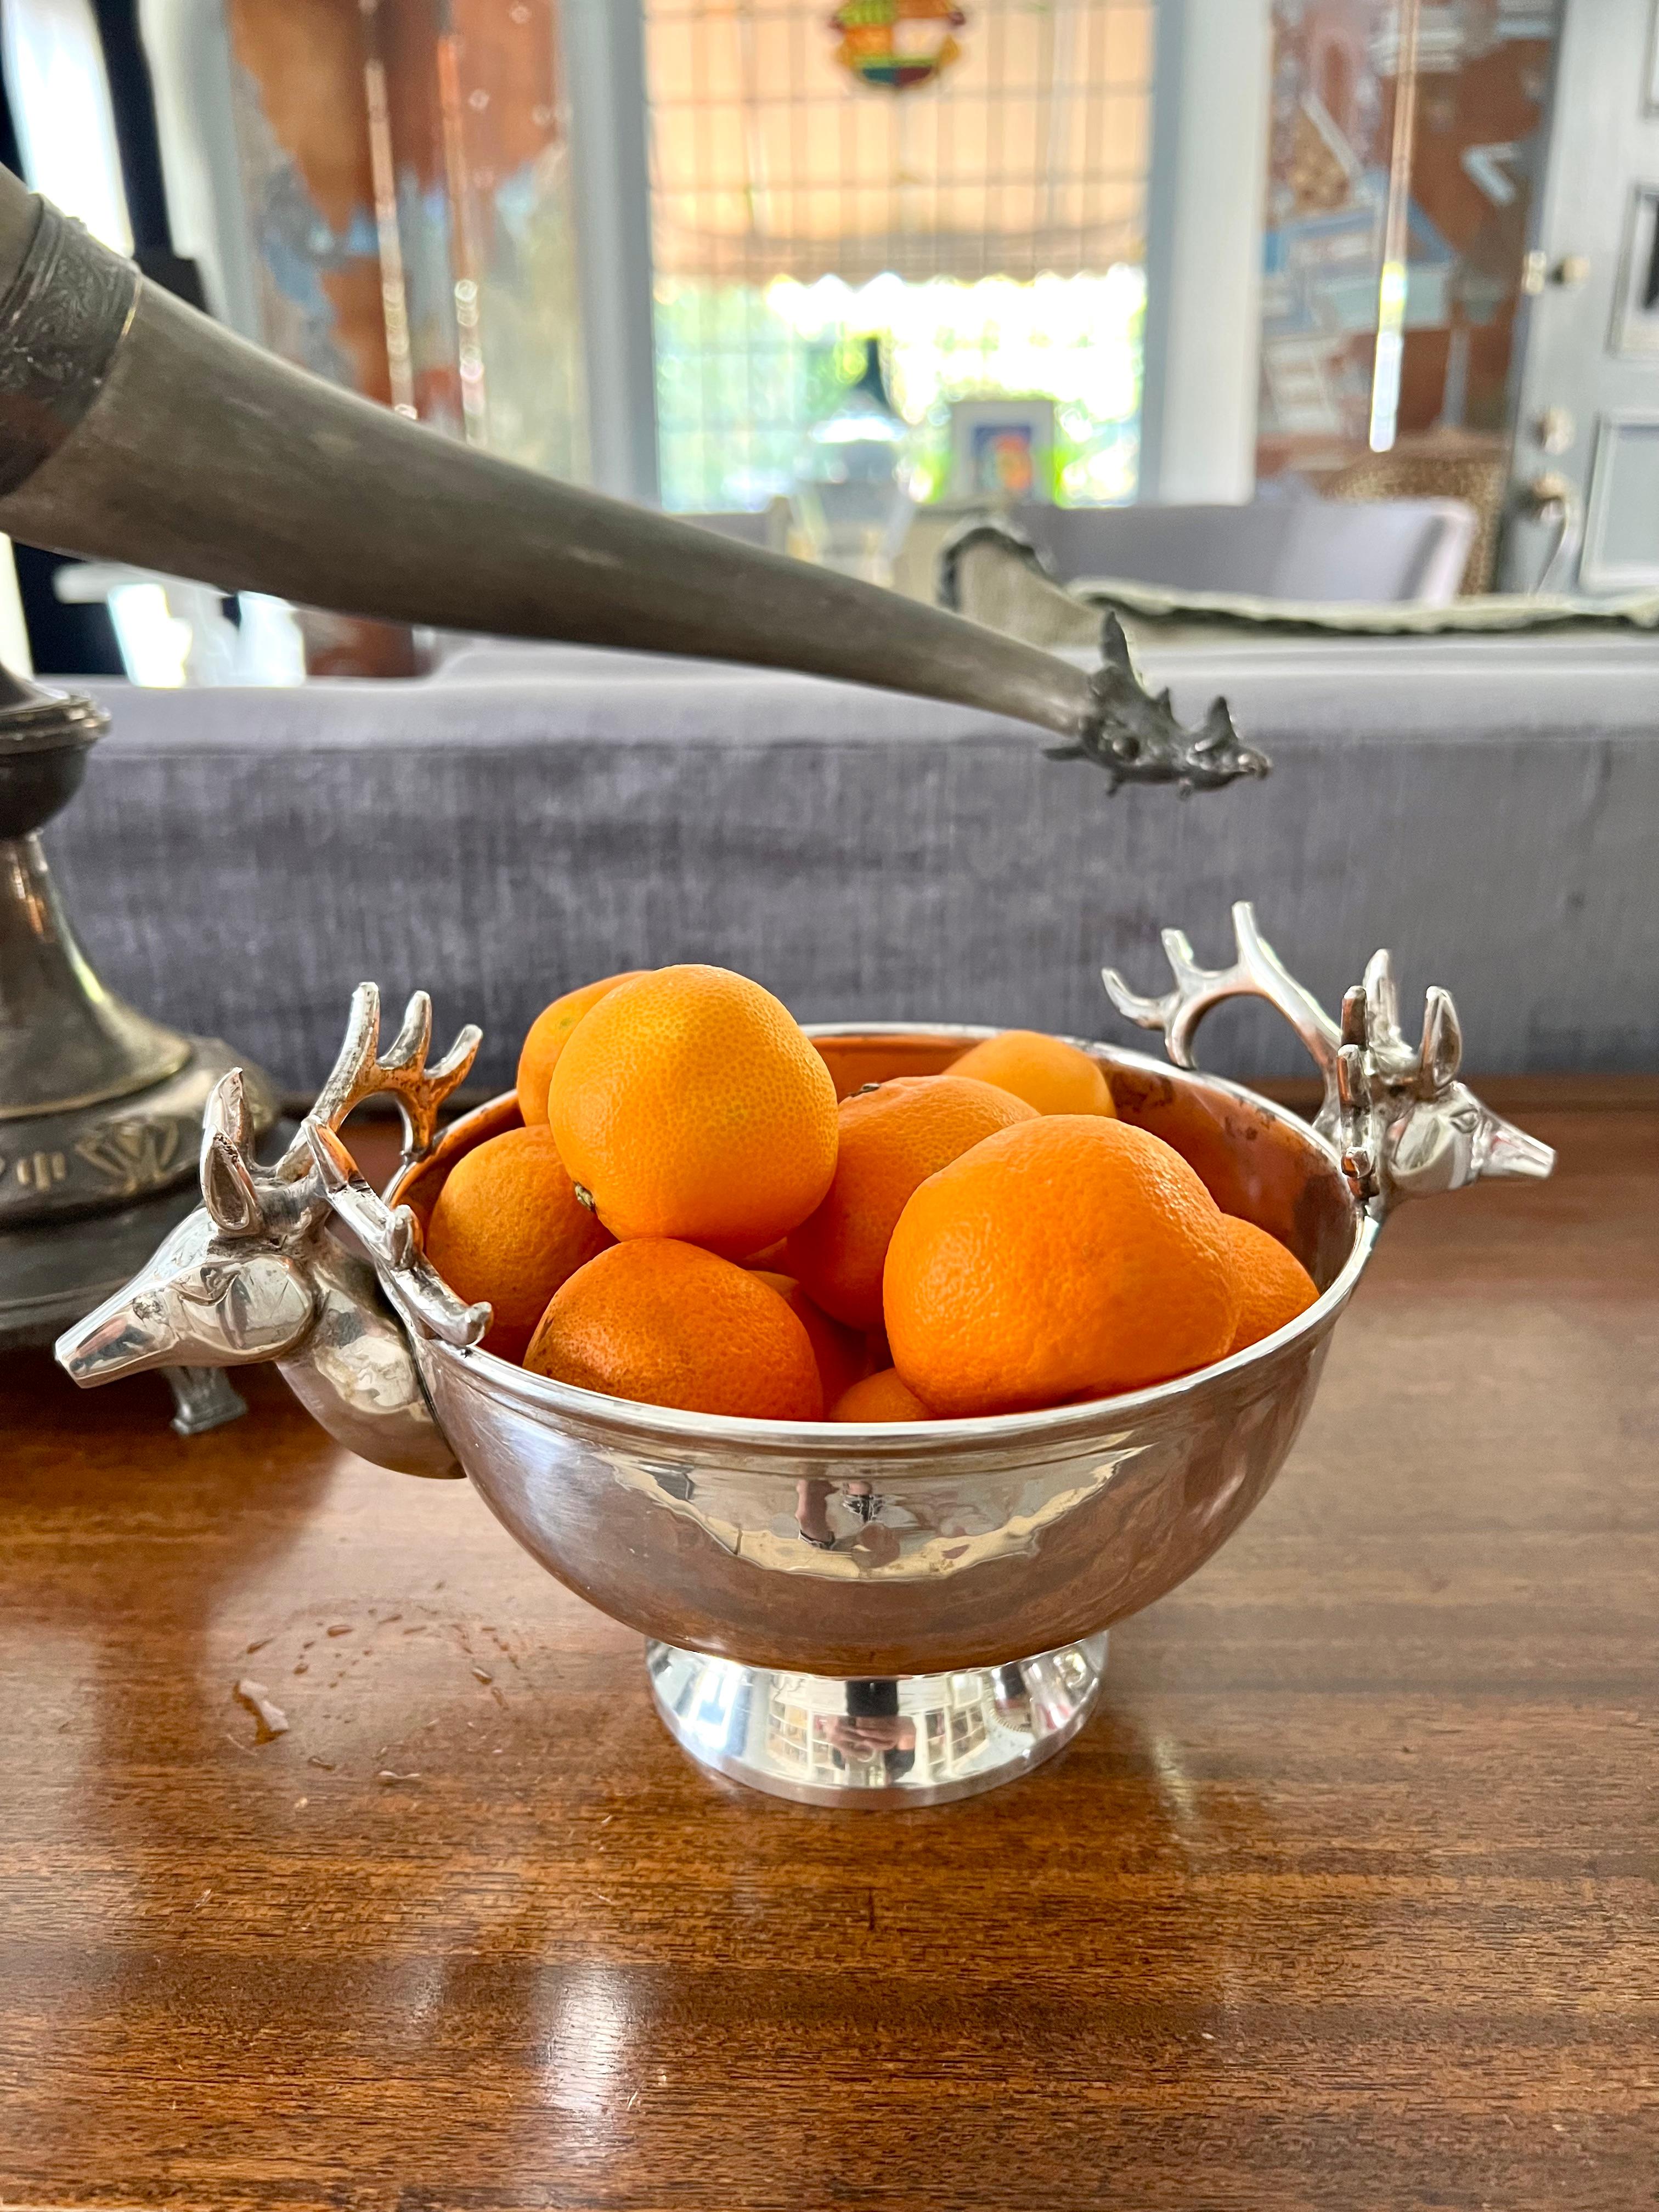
133	428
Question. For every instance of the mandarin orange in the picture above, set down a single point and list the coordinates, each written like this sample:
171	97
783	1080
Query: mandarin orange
884	1396
891	1139
667	1323
1071	1256
507	1227
856	1062
1274	1286
1047	1072
546	1039
838	1352
689	1104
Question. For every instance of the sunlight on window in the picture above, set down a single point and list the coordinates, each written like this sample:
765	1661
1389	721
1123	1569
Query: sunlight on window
742	369
985	224
59	96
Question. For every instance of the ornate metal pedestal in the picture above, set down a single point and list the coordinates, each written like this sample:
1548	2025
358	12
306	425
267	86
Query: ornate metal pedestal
904	1740
101	1108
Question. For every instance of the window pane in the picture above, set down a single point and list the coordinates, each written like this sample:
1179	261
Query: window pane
965	183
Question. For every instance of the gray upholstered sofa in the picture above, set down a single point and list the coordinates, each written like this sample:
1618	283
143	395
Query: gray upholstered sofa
533	818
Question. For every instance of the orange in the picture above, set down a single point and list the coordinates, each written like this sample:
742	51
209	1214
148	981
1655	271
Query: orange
1273	1284
547	1036
891	1139
507	1227
668	1324
837	1352
882	1397
1068	1257
1047	1072
691	1106
856	1061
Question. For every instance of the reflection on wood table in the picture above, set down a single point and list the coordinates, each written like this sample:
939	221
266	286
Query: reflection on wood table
1344	1898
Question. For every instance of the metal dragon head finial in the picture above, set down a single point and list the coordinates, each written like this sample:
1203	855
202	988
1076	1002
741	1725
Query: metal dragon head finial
235	1282
1136	738
1405	1125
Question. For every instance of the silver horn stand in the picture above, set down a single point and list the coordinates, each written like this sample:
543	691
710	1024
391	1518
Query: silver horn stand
101	1108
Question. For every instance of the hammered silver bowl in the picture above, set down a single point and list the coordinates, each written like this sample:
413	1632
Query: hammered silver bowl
898	1613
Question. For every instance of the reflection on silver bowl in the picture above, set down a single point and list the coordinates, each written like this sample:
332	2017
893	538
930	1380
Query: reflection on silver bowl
843	1615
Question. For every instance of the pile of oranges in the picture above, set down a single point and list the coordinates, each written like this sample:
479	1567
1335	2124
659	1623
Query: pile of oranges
689	1217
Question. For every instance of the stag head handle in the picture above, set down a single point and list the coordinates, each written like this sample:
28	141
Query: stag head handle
251	1275
1403	1123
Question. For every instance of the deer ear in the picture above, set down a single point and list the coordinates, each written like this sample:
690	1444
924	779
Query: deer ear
227	1187
1443	1039
227	1111
1381	999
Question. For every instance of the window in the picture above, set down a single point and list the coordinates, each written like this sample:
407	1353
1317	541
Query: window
965	183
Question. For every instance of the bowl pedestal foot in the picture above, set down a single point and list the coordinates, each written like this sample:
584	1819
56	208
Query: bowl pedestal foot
918	1740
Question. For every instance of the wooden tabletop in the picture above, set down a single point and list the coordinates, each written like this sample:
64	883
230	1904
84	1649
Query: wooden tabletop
1346	1898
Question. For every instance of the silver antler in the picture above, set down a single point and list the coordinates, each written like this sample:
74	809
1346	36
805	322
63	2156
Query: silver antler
1257	973
246	1200
1404	1124
389	1234
392	1238
360	1072
250	1274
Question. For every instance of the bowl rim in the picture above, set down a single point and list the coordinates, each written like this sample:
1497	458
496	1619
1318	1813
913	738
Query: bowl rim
844	1440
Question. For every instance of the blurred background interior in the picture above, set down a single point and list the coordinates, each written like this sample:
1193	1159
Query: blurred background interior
1317	339
1350	301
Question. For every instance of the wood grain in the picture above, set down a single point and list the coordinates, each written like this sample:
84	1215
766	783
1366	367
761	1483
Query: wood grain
1344	1900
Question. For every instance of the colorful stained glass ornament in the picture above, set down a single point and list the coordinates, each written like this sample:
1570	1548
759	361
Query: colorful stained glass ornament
897	45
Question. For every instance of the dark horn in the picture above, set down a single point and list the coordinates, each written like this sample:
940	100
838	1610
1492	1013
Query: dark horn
133	428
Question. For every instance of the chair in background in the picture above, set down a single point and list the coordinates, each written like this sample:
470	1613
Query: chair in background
1293	548
1301	549
1438	467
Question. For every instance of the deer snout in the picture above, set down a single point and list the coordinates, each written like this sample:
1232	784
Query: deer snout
125	1333
1512	1152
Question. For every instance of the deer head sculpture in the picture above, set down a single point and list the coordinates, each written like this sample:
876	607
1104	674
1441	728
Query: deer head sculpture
1405	1125
252	1275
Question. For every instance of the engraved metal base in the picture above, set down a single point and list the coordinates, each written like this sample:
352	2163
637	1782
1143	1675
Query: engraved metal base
82	1159
53	1271
920	1740
102	1109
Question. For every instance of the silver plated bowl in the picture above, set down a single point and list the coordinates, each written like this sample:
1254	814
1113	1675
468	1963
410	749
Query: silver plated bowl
838	1615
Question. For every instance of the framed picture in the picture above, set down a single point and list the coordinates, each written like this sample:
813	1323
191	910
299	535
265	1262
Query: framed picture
1003	450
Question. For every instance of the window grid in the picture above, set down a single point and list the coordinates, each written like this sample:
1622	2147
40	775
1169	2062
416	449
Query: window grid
795	212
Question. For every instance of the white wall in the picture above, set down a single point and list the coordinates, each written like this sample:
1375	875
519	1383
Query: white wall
1205	197
188	47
